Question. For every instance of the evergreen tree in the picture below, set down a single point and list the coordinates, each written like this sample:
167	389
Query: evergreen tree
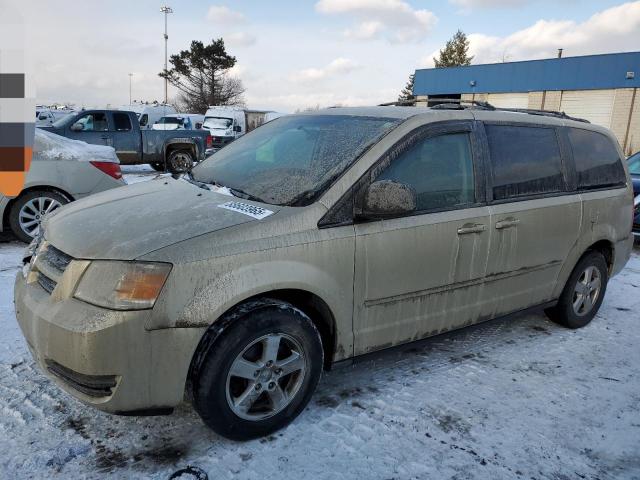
406	95
455	52
201	75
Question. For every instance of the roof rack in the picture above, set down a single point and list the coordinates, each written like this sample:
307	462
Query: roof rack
459	104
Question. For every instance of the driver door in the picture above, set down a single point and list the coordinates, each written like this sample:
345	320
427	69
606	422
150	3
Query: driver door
95	129
422	273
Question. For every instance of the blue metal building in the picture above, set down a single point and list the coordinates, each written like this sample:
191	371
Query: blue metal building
599	88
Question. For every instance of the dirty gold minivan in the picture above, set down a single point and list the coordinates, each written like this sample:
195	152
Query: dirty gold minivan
314	239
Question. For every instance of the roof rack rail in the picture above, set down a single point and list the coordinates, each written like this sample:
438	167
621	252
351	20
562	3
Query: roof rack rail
459	104
398	103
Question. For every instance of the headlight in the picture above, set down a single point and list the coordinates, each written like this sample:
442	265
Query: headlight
122	285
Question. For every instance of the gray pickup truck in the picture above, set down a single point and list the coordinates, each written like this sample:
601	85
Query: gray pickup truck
175	151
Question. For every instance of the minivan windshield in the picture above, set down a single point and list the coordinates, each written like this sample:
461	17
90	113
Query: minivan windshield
217	122
293	159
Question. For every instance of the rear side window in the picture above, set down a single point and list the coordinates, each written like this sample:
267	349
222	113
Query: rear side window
440	169
525	161
143	120
121	122
597	160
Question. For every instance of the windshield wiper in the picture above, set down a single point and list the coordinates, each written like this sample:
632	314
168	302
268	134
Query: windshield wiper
244	195
189	178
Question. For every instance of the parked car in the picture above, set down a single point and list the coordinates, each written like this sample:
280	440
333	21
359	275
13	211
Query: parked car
148	114
47	117
315	239
634	171
175	151
228	123
62	170
180	121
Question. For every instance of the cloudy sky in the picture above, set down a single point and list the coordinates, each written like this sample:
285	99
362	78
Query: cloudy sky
295	53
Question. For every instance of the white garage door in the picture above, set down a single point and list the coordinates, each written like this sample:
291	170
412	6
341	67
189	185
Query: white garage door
593	105
509	100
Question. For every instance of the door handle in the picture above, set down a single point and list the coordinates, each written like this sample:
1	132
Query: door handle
507	223
466	229
105	137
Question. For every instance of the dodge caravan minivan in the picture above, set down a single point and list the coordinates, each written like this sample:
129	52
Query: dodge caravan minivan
312	240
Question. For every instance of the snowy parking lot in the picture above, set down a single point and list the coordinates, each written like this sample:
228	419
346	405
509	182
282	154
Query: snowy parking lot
518	398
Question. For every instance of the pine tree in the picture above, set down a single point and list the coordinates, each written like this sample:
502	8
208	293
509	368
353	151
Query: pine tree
455	52
201	75
406	95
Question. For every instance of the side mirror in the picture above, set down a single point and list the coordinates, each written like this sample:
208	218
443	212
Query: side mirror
77	127
386	198
237	128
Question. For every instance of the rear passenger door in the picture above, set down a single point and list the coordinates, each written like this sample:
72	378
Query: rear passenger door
420	274
124	138
535	215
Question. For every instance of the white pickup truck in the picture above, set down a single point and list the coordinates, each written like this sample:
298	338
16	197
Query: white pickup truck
228	123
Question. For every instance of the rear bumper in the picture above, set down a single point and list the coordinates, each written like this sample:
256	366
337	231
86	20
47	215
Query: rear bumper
104	358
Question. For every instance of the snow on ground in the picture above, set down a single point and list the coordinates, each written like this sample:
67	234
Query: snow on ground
520	398
138	173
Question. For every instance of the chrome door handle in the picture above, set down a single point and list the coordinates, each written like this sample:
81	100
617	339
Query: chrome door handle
507	223
466	229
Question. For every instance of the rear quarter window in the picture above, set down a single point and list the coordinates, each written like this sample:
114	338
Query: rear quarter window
597	161
525	161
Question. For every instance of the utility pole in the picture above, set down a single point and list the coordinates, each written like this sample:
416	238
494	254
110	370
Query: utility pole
166	10
130	77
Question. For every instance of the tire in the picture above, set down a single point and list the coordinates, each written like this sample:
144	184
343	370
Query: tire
588	302
179	161
157	166
29	208
217	393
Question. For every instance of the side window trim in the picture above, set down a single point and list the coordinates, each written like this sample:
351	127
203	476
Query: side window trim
353	196
565	164
577	188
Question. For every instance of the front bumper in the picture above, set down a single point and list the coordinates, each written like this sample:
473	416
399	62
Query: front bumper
84	348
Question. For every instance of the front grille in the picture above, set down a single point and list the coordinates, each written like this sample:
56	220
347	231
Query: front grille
50	263
91	385
57	259
46	283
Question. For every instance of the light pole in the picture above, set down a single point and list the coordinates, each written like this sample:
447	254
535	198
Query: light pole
130	77
166	10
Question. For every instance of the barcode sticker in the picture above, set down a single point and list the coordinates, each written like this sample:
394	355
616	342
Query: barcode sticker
247	209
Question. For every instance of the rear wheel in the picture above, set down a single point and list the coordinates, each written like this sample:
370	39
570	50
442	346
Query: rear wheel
179	161
28	211
583	293
260	373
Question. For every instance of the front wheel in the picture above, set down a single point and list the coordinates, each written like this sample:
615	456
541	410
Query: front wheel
180	161
260	372
28	211
583	292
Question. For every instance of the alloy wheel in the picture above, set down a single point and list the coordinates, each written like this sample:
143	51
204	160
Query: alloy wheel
32	213
587	291
265	377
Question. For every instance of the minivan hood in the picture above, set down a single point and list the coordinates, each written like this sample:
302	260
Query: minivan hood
128	222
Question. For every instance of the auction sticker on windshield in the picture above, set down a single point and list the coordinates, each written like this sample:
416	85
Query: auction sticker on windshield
247	209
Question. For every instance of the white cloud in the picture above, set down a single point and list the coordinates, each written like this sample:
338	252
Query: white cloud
611	30
239	39
224	15
339	66
394	19
468	5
